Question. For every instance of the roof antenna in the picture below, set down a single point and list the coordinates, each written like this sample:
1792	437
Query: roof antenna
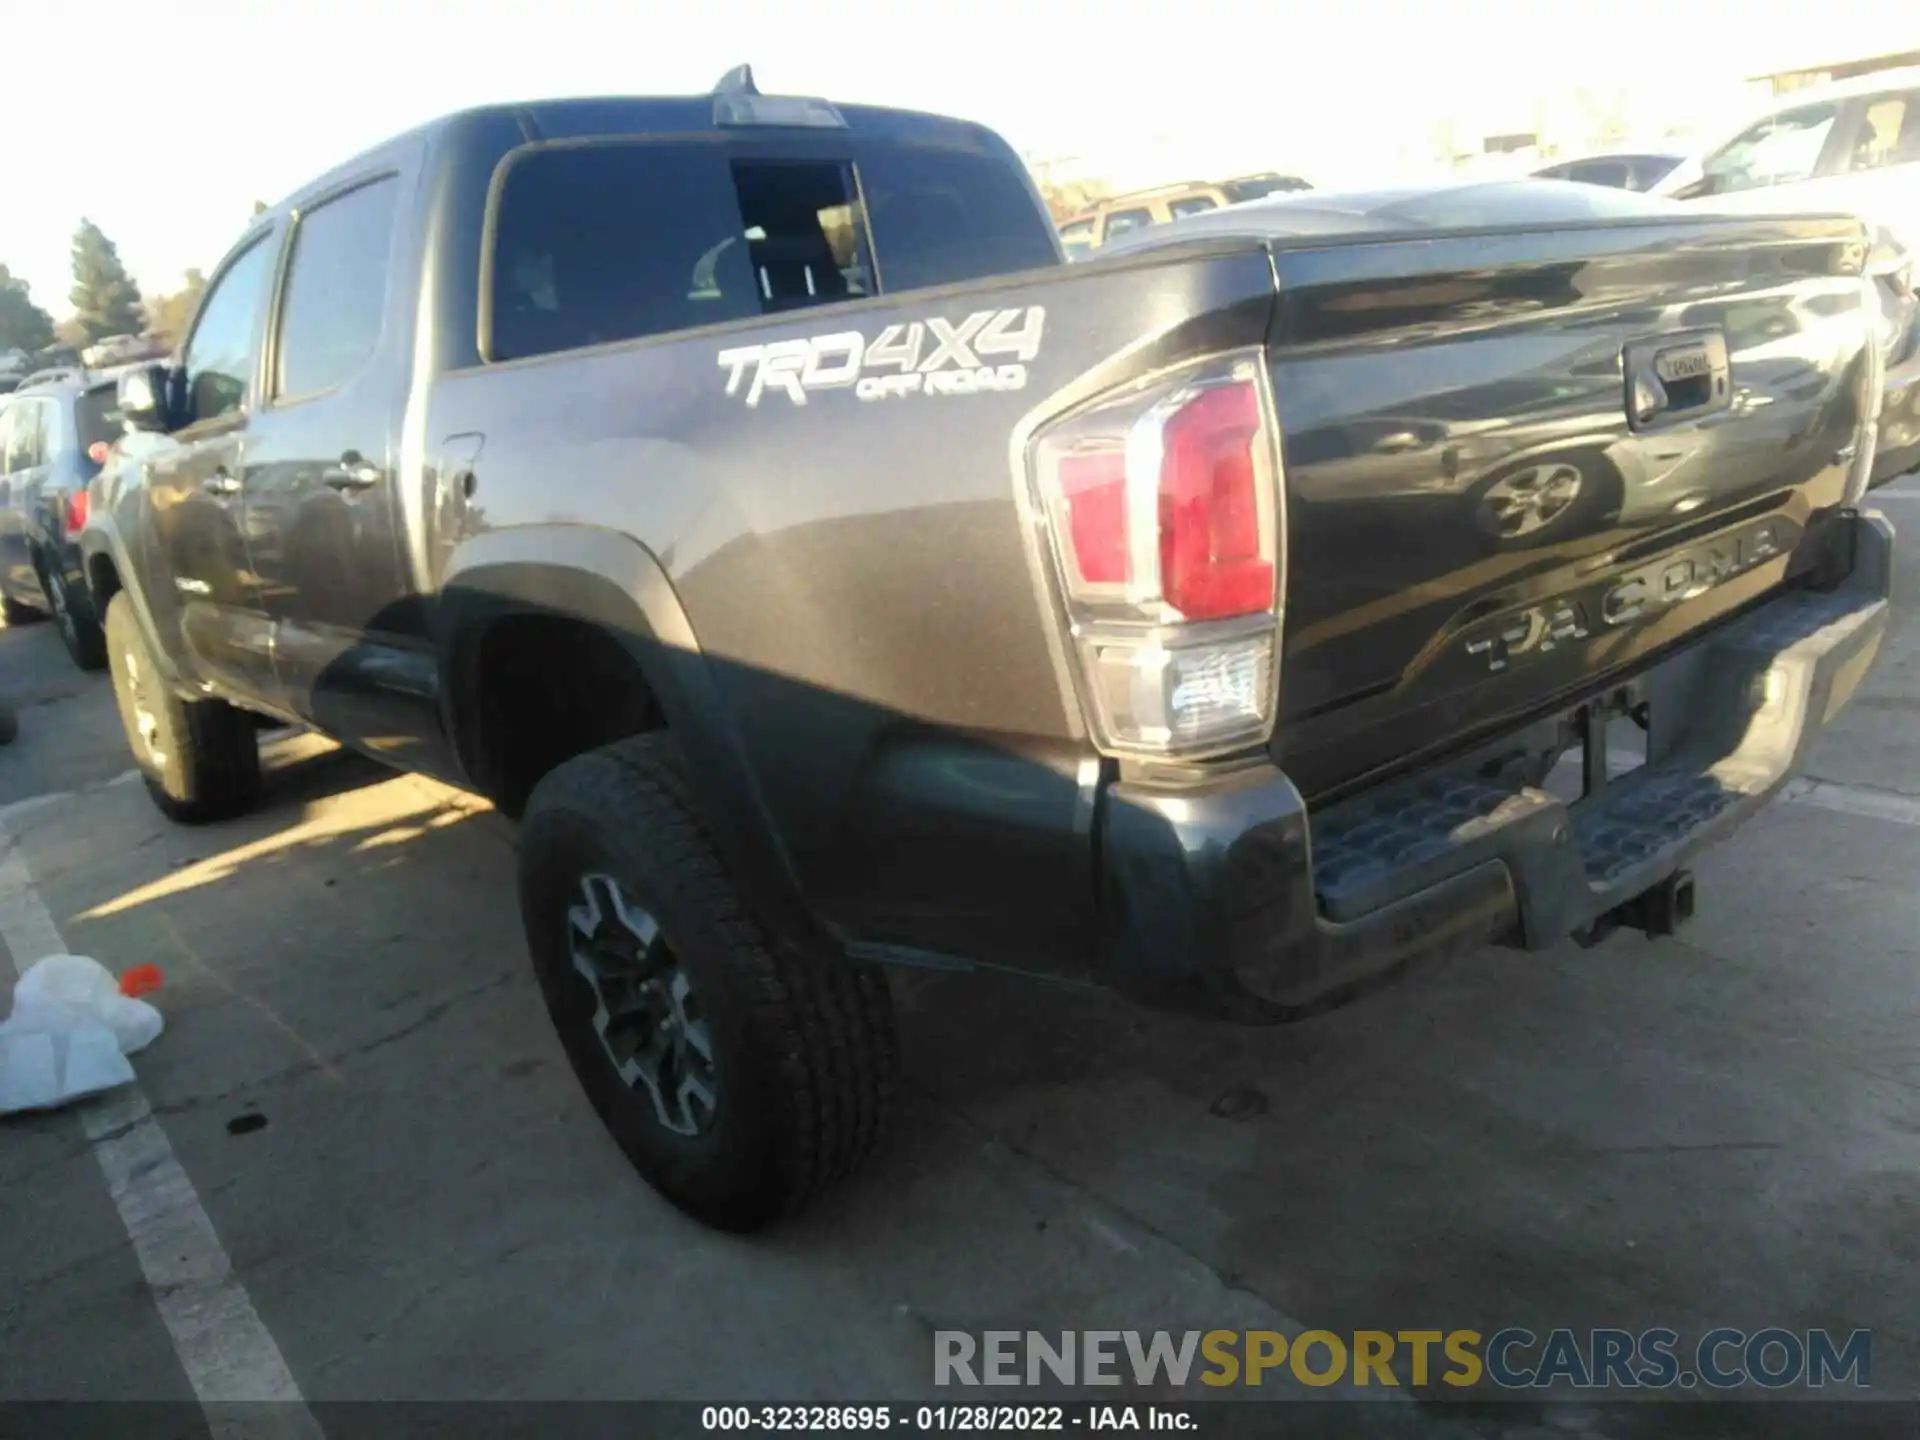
737	81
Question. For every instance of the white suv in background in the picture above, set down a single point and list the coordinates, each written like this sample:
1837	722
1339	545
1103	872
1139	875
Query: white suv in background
1851	147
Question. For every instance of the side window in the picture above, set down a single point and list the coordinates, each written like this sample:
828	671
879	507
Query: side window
598	243
336	290
1778	151
6	430
219	355
25	437
1077	239
1192	205
55	434
1121	221
1888	133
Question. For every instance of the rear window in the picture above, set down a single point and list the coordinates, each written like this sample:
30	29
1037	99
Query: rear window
603	242
96	415
596	243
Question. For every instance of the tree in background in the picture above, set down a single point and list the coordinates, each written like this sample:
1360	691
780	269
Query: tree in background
105	299
169	315
23	324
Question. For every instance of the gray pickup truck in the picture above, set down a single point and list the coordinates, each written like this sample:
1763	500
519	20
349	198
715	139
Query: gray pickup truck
742	493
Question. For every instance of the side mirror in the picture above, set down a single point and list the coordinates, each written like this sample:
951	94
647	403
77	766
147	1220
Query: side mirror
145	394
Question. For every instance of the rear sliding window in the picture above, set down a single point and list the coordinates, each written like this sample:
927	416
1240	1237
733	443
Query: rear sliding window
603	242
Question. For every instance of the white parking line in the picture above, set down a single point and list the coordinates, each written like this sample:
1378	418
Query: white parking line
233	1364
1854	800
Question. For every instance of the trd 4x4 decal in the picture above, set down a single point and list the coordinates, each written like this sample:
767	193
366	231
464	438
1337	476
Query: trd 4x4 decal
934	356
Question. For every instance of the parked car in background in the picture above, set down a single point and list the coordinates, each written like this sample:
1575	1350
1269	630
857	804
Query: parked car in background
1852	147
55	433
121	350
1894	268
1636	171
54	357
1120	214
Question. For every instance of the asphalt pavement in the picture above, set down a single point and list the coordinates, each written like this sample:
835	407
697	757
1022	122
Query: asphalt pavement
406	1198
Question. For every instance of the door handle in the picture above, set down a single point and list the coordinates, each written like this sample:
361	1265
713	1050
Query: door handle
220	483
352	473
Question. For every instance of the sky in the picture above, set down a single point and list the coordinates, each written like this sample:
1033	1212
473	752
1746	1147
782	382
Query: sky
204	106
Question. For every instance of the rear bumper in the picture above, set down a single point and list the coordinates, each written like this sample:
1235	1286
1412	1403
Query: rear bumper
1238	888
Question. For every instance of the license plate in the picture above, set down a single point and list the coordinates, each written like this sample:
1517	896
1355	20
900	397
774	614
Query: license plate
1692	363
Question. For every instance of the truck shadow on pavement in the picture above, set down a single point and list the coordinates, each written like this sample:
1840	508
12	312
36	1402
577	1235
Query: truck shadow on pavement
1504	1140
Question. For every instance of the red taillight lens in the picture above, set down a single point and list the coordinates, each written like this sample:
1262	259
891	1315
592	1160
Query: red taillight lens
1094	489
1163	499
1211	560
76	511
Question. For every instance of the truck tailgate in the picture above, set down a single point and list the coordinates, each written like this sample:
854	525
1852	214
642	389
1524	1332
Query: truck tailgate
1517	464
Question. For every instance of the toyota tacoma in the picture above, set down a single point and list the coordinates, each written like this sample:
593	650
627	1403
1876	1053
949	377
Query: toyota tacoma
742	493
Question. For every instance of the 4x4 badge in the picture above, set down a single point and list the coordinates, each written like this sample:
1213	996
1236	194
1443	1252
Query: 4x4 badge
988	350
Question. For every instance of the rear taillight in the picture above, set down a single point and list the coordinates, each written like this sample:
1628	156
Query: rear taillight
76	512
1162	504
1213	561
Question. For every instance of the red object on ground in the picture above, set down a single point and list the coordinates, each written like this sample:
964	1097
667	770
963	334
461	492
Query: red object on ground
139	980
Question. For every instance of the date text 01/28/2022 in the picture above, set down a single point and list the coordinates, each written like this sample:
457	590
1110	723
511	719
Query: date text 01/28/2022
1009	1419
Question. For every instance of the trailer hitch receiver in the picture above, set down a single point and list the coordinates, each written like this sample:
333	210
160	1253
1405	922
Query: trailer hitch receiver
1661	910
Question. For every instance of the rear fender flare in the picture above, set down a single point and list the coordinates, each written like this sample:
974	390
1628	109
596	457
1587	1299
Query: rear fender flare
101	543
611	581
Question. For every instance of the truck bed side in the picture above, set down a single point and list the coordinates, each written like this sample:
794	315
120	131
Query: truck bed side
859	570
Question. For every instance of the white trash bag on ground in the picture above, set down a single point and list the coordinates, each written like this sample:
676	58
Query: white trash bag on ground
73	1025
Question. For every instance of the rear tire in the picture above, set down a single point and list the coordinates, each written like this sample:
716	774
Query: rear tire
199	758
794	1051
80	632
